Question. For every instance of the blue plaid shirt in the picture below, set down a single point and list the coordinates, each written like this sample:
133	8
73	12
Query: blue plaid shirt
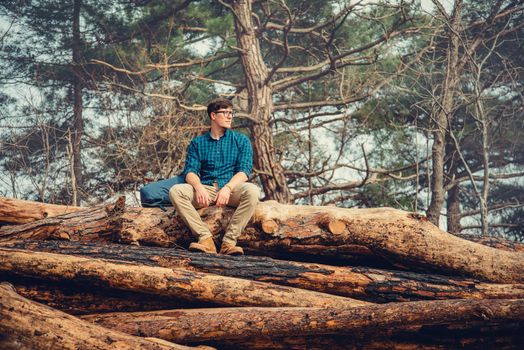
219	160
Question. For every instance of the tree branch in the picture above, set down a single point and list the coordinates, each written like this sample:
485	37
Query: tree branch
323	66
496	207
456	181
337	187
314	29
283	59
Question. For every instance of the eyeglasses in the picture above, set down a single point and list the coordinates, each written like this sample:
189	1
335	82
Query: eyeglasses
226	113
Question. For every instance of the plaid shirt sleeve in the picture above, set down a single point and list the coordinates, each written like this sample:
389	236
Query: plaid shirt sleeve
192	160
245	157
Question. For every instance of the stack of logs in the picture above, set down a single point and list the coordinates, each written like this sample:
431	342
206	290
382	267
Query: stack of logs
114	277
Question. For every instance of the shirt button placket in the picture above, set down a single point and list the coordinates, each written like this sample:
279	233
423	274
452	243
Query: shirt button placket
217	155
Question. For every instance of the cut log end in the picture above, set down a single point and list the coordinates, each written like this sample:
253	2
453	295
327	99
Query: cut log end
269	226
336	227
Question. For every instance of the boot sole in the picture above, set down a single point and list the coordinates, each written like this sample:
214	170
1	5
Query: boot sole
201	250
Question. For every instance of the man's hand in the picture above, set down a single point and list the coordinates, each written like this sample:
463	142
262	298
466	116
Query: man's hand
223	196
202	196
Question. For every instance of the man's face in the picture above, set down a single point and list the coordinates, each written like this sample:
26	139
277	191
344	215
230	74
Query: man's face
223	117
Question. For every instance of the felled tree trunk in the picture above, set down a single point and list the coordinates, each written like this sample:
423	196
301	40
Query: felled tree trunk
16	211
321	343
359	282
77	299
91	224
180	283
509	338
494	242
404	238
28	325
200	325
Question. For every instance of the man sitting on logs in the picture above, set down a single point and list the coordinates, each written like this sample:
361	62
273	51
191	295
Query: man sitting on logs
217	167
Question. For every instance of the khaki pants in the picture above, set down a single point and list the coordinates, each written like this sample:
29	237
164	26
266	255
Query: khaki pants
244	197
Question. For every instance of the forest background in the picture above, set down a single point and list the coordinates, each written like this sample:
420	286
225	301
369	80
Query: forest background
417	106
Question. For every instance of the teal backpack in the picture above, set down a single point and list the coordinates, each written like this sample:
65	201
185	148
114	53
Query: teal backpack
156	194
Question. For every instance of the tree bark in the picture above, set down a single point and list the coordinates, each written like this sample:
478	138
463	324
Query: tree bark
29	325
179	283
260	104
76	299
453	209
357	282
200	325
16	211
78	121
429	338
494	242
453	199
443	112
403	238
321	343
86	225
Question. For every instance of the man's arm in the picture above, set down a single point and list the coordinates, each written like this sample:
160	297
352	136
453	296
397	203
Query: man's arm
236	180
192	171
225	192
202	196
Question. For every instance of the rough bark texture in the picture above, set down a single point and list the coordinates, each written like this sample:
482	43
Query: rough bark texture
443	114
452	200
80	299
318	321
260	99
358	282
200	325
16	211
321	343
495	242
91	224
429	338
405	239
78	119
28	325
178	283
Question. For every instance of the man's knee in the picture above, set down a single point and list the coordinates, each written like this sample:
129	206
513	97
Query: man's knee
250	193
179	192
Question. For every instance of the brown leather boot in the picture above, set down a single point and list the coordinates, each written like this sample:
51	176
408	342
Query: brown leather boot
205	245
230	249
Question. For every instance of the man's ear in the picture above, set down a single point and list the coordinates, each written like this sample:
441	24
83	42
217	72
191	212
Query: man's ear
212	116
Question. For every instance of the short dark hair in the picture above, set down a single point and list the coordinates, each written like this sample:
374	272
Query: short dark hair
218	104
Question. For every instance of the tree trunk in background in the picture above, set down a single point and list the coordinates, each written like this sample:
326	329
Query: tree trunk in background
442	114
78	122
453	199
453	206
260	100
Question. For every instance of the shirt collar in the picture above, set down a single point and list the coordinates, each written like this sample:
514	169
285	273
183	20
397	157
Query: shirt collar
226	132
